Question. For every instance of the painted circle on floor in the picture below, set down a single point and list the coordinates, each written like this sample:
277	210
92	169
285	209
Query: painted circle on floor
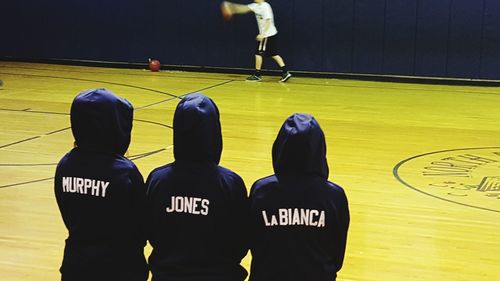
467	176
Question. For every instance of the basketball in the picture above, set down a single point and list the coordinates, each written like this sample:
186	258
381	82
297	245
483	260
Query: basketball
226	11
154	65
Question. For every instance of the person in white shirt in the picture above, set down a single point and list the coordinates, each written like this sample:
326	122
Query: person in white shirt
267	37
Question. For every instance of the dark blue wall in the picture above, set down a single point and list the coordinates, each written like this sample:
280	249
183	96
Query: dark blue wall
436	38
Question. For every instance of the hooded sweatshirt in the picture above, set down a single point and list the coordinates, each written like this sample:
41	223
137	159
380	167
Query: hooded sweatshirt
299	219
197	209
101	194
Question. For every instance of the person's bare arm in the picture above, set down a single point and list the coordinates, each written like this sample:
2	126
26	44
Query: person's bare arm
237	8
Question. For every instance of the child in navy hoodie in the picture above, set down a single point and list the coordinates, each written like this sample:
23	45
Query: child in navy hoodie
101	194
299	218
198	210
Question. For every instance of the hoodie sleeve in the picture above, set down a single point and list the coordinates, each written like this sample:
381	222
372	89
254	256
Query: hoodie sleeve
343	219
252	219
58	193
149	206
239	218
138	198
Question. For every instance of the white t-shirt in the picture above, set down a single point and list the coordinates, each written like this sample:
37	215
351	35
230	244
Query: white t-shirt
264	12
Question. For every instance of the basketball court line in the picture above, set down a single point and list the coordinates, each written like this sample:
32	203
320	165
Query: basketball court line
33	111
91	80
424	231
24	183
183	95
133	157
61	130
57	131
121	73
442	90
27	164
143	155
124	85
398	178
18	142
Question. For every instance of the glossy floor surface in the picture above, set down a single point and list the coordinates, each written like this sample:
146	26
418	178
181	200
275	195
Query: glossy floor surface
420	163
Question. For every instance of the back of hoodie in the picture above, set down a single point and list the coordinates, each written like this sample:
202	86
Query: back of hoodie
197	209
299	219
101	194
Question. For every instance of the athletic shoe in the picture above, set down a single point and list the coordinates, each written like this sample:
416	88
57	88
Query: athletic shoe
285	76
254	77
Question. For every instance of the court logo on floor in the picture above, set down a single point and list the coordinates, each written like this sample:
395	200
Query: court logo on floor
468	176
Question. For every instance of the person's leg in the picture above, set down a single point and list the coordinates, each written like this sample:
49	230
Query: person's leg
258	65
273	49
285	75
279	60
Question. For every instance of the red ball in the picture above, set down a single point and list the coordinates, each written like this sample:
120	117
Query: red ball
227	14
154	65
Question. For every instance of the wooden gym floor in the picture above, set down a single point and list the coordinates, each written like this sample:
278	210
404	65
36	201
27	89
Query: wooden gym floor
420	163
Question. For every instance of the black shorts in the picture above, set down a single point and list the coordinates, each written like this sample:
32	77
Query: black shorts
268	47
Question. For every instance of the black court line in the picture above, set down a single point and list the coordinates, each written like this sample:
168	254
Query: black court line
210	87
35	137
135	157
63	129
33	111
158	102
183	95
18	142
153	122
57	131
90	80
124	85
26	182
59	113
28	164
140	120
142	155
122	73
396	175
306	84
131	157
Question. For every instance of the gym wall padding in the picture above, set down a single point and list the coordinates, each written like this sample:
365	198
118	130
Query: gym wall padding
432	38
490	53
464	60
368	52
399	37
308	21
429	38
338	39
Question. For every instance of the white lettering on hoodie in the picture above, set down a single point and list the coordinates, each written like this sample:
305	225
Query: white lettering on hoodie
190	205
84	186
295	216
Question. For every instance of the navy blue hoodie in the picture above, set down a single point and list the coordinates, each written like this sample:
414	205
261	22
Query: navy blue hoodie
197	209
101	194
299	219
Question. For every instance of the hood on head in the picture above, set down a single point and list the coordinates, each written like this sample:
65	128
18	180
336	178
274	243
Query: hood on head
300	148
197	130
101	121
